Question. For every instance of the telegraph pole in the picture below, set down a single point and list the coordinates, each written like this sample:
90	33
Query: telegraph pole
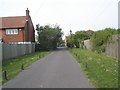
71	38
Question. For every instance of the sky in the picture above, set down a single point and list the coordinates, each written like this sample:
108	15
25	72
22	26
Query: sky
75	15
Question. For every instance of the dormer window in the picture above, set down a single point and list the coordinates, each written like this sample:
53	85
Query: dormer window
11	31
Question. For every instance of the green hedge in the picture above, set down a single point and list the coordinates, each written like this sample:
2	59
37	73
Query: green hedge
100	38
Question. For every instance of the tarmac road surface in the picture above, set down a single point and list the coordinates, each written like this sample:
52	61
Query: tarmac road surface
57	70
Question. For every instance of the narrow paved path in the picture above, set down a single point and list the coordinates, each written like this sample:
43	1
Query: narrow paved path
57	70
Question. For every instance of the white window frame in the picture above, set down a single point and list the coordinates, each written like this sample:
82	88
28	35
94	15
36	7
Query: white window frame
11	31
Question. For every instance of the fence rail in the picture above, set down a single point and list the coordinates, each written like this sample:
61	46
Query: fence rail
8	51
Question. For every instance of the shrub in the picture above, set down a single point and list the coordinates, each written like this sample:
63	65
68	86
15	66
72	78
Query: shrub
100	38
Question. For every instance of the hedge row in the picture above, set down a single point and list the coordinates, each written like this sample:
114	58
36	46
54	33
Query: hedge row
100	38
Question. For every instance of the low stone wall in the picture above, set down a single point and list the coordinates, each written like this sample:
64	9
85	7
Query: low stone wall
112	48
87	44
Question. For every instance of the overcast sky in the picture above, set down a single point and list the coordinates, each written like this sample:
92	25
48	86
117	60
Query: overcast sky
69	14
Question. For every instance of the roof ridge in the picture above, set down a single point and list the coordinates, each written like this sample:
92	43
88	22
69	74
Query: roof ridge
12	16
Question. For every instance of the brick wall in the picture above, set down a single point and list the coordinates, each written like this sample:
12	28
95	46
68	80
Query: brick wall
1	34
23	35
29	26
13	38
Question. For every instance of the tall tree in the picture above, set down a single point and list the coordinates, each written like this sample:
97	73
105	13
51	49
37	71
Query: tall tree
49	36
77	38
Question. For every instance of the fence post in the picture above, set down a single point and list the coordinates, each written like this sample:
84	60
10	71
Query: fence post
78	56
39	56
86	65
22	67
5	75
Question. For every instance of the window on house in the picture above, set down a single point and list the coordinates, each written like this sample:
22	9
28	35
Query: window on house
11	31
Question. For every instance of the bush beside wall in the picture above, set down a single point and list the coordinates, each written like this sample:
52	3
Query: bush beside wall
101	38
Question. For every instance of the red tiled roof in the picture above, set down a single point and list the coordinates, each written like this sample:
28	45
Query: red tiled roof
89	31
13	22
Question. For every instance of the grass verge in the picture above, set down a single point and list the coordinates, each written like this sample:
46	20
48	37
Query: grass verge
13	66
101	70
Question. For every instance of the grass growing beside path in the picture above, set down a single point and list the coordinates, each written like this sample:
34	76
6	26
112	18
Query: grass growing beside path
101	70
13	66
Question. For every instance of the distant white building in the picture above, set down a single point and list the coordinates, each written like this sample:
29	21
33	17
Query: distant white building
87	44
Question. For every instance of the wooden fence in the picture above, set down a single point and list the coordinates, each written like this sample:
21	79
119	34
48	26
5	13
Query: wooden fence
8	51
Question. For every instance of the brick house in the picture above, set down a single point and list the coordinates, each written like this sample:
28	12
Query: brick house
17	29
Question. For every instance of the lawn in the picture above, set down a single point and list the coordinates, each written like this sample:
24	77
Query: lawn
13	66
102	71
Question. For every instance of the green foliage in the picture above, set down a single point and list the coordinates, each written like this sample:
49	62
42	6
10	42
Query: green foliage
118	31
61	42
69	40
100	38
38	47
101	70
81	35
48	36
77	38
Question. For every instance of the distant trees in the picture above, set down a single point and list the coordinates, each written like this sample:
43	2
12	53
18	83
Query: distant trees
48	36
77	38
69	41
98	38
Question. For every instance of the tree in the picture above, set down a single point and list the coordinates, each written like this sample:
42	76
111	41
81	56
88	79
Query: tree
80	36
69	40
49	36
77	38
101	37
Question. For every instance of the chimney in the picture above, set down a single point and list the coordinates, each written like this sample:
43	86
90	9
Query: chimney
27	14
27	20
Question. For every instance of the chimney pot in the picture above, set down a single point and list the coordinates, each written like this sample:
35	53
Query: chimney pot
27	12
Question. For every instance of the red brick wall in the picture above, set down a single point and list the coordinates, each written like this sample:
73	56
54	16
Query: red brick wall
31	33
13	38
22	36
25	35
0	33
